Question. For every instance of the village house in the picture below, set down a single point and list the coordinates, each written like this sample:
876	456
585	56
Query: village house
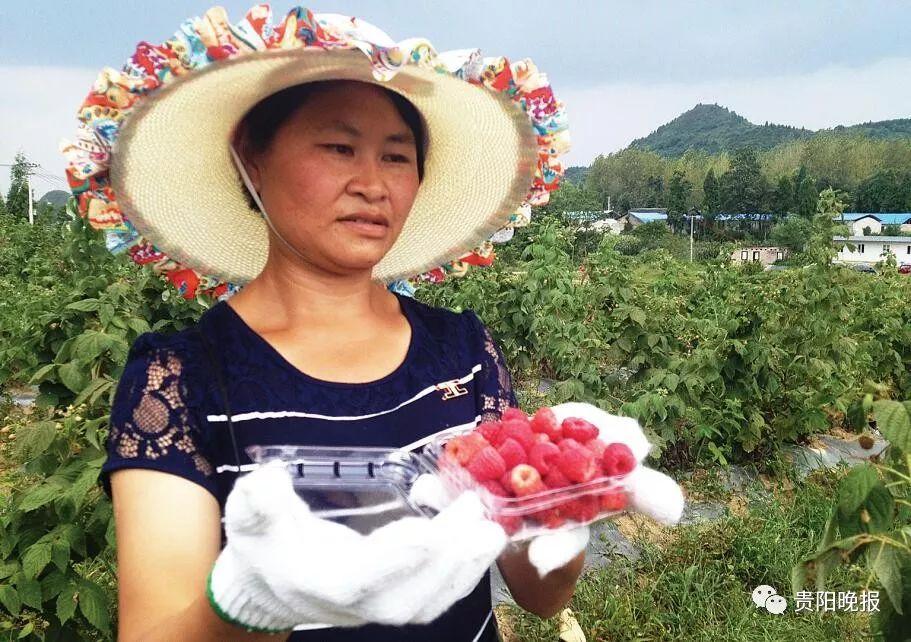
872	249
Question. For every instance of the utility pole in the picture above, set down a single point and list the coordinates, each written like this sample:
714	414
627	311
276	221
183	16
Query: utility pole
692	216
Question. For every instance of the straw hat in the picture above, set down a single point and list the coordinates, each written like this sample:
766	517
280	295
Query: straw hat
152	163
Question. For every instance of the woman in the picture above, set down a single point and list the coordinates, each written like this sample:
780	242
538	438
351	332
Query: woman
358	182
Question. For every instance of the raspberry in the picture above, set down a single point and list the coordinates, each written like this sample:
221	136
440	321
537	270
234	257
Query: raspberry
486	464
495	488
511	414
613	500
510	523
543	455
541	438
567	444
489	429
512	452
518	430
579	429
550	518
596	446
545	422
556	479
578	464
506	481
582	509
618	459
525	480
464	447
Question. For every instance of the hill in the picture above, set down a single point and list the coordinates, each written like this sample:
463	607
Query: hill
715	129
55	197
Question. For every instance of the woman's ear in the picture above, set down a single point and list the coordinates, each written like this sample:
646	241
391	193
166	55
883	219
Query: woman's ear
249	160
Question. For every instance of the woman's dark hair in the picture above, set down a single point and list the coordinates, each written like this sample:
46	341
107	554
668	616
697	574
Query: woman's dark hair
258	127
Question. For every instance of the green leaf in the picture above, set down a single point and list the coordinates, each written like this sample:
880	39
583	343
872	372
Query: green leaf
85	305
7	569
893	419
33	440
883	560
880	506
636	315
94	605
9	598
855	487
42	373
26	630
73	375
91	389
60	554
38	497
30	593
88	345
36	558
66	603
52	584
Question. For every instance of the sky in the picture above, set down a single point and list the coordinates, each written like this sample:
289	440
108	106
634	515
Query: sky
621	68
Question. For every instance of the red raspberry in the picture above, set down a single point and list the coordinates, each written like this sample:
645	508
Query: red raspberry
578	464
579	429
542	456
506	481
495	488
541	438
489	429
525	480
551	518
556	479
518	430
582	509
618	459
510	523
512	452
567	444
545	422
486	464
464	447
613	500
596	446
511	414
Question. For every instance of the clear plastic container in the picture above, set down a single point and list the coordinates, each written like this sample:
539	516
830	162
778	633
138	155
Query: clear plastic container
363	488
534	514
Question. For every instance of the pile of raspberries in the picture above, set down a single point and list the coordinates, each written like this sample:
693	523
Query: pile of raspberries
522	457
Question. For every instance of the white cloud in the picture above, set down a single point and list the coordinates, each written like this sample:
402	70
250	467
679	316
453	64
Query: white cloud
37	109
607	118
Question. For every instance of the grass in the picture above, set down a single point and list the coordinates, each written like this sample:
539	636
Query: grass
694	582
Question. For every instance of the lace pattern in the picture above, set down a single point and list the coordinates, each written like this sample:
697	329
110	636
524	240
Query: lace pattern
496	384
151	417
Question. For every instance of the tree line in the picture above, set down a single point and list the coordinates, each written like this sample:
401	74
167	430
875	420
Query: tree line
869	175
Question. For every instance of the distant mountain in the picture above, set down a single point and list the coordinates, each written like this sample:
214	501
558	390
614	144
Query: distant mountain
714	129
55	197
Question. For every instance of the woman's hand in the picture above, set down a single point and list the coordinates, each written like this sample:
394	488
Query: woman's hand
283	566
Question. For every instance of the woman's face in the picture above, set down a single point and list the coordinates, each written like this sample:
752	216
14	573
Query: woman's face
340	177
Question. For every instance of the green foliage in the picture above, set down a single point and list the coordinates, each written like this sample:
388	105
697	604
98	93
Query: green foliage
884	191
711	203
77	311
870	522
743	187
16	205
715	129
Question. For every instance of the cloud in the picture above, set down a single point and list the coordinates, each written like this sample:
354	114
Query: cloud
37	109
607	118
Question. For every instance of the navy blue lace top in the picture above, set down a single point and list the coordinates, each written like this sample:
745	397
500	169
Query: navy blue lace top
169	415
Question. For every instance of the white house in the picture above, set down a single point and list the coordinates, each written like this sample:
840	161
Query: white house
871	249
860	220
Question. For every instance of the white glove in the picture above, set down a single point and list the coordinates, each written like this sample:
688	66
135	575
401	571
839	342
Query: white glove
650	492
282	566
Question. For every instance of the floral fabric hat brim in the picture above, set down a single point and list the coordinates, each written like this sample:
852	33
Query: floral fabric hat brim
120	98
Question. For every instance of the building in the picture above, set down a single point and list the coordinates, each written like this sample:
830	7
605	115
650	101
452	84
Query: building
759	254
872	249
860	220
641	215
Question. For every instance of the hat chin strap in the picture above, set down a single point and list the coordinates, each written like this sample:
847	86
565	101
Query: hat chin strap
250	188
